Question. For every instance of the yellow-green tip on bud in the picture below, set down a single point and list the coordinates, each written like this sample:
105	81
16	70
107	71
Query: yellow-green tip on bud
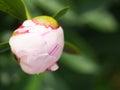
47	21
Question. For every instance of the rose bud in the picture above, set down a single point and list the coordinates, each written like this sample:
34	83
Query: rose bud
38	44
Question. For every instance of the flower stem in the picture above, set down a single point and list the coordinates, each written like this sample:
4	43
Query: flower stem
26	10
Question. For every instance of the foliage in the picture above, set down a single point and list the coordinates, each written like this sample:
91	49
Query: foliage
90	60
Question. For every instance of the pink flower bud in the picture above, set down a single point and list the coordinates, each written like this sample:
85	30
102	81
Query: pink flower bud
37	44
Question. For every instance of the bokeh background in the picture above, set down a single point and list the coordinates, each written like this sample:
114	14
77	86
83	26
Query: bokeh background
91	57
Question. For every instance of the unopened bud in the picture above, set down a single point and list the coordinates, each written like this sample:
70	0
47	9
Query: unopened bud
38	44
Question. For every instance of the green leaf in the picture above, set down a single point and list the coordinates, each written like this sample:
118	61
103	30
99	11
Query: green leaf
78	44
4	47
101	20
34	82
80	64
14	7
71	48
54	5
60	12
50	82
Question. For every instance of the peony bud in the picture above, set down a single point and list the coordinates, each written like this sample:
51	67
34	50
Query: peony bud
37	44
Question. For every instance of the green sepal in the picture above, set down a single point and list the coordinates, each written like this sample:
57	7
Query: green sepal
4	46
61	12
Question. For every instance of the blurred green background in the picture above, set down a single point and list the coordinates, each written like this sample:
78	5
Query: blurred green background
91	57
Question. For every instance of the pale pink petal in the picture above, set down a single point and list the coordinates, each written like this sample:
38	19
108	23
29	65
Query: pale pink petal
53	67
36	64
